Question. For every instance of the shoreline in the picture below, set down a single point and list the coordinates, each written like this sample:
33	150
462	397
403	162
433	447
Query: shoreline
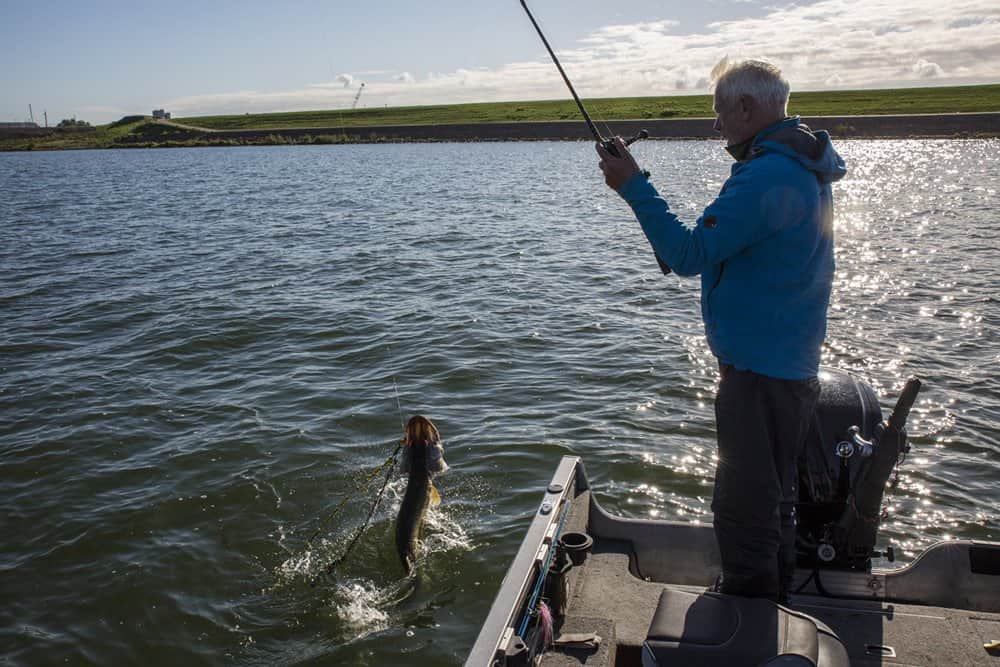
167	134
920	126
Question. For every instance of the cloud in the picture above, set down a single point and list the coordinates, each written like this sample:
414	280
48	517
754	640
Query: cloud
688	78
828	43
926	70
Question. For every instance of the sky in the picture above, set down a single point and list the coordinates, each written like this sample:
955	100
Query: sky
100	60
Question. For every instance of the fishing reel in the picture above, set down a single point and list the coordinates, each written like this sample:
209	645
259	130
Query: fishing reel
609	144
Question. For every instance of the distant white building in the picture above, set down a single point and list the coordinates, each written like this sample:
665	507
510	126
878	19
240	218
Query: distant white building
160	114
25	124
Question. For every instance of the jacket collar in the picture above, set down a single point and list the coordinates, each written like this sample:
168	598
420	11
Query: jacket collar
744	151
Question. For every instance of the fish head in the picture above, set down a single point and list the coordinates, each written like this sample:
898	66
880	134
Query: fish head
422	446
420	431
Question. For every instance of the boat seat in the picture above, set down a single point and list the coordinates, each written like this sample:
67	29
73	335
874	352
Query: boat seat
716	629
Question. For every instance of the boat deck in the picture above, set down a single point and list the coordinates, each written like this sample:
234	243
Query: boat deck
607	598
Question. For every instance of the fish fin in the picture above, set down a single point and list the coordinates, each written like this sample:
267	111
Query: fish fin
435	496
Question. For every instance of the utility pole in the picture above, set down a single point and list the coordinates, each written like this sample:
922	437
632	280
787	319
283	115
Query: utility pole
356	97
31	114
46	114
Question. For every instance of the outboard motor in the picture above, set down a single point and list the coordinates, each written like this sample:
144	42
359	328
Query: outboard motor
843	468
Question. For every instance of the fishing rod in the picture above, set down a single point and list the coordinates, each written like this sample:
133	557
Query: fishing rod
608	144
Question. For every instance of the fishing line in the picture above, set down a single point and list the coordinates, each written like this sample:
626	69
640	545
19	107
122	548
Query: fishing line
388	466
402	424
359	486
607	128
608	144
602	120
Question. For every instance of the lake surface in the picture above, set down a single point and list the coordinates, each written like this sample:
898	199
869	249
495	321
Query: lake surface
201	349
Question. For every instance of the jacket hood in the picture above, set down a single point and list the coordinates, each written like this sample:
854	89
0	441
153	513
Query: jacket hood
812	149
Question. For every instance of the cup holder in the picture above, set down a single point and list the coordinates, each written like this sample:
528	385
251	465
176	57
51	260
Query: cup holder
576	546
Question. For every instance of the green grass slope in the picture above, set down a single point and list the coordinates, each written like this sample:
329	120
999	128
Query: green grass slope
827	103
139	131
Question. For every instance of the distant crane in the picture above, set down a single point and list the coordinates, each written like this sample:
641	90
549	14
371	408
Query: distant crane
358	96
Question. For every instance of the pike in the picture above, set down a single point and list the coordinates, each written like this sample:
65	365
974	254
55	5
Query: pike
423	457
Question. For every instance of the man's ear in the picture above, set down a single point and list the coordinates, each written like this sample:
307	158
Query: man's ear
747	106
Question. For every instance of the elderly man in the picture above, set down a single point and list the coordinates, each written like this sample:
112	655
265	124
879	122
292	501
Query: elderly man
764	249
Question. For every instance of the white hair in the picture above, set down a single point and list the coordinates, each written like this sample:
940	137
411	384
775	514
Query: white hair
758	79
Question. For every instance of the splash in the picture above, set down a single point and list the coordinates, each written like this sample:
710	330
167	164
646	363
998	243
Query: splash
298	565
360	605
304	566
444	533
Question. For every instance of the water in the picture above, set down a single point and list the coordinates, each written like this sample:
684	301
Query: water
199	350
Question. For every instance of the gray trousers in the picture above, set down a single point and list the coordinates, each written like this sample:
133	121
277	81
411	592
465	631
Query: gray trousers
761	425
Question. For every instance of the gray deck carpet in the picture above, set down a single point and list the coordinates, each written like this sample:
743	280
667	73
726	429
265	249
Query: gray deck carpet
603	589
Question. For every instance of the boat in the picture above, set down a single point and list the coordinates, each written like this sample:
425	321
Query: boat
590	588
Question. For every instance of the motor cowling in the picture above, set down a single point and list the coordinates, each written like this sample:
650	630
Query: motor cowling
843	468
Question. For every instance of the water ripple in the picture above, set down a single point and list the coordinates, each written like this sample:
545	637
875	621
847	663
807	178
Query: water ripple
195	369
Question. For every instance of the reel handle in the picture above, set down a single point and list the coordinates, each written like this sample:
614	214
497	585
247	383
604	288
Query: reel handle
641	134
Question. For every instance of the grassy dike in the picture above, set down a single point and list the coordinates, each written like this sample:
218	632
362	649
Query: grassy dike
361	125
960	99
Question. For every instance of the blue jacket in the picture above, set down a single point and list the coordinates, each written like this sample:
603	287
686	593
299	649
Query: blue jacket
764	249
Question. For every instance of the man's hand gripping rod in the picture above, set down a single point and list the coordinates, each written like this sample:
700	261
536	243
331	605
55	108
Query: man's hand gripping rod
608	144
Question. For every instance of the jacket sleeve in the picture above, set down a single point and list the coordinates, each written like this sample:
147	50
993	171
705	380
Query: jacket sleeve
753	205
